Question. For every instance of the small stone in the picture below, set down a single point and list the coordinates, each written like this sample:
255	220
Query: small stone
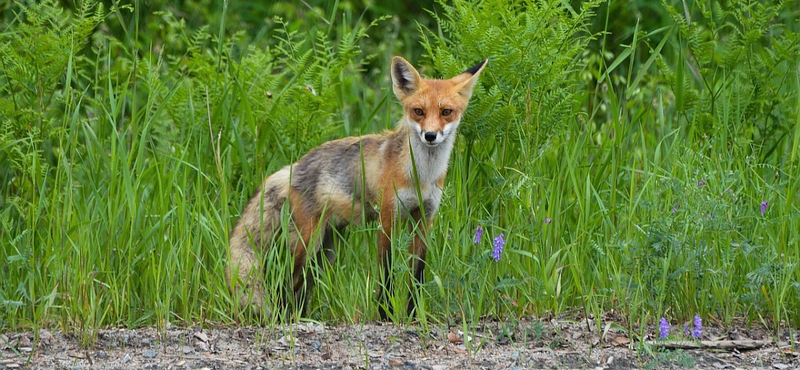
316	345
202	346
187	349
126	359
780	366
285	341
150	354
24	341
201	336
454	338
621	341
101	355
438	367
45	337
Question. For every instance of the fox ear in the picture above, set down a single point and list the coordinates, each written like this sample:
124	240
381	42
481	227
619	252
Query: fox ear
466	80
405	79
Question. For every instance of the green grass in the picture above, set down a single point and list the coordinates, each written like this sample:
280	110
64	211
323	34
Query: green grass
629	182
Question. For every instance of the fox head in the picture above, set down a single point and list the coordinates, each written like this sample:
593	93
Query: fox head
433	108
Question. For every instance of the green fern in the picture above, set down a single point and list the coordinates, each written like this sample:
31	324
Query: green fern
738	45
533	50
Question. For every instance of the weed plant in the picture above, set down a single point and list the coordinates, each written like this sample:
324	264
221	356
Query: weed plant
657	177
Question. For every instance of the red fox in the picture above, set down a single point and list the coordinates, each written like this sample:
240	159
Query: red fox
345	181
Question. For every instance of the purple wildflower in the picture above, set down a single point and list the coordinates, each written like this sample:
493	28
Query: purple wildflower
478	234
663	329
764	206
701	183
675	207
777	175
686	329
499	243
548	220
697	332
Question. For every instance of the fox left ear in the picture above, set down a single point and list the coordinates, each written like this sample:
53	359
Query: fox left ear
405	78
466	81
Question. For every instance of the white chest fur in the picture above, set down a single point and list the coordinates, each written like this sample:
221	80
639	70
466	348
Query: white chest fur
409	199
429	165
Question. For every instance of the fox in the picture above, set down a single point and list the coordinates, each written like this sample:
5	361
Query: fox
394	176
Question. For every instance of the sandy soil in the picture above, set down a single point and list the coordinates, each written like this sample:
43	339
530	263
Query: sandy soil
493	345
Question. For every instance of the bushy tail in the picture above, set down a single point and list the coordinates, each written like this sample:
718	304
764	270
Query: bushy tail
254	232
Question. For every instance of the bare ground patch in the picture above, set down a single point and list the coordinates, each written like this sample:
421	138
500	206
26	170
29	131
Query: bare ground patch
491	345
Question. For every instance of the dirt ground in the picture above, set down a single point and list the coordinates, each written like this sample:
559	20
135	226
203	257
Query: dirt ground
492	345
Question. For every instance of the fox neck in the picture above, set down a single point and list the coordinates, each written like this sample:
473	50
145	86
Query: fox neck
430	162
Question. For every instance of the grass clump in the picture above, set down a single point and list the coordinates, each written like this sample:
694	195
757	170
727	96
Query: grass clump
656	178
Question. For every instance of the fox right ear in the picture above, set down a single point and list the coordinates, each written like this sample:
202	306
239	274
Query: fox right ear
405	78
469	78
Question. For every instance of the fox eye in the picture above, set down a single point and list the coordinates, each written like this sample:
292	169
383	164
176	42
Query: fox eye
419	112
446	112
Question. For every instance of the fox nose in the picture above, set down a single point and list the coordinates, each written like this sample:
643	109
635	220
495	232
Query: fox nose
430	136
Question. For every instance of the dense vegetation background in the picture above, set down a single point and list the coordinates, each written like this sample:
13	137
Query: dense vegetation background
636	156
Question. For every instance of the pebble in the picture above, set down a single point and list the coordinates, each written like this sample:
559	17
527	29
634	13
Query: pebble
187	349
126	359
150	354
45	337
201	336
201	345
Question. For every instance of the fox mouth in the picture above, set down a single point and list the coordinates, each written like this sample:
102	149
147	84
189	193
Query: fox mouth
433	143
